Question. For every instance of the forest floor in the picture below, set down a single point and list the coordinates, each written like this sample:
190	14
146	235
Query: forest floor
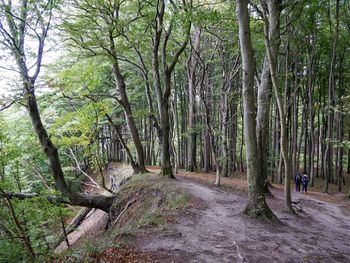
214	230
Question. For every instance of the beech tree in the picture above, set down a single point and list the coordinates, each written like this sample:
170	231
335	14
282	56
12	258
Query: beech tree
28	23
271	24
256	205
192	83
162	70
113	19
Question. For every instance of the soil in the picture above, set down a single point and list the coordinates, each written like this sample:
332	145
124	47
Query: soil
213	229
319	232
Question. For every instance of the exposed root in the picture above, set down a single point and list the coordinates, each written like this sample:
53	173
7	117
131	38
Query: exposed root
122	212
241	258
260	212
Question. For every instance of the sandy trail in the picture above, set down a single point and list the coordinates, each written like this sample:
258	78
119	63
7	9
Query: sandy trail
218	233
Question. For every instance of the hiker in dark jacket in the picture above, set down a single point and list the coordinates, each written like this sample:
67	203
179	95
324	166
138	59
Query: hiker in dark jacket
305	182
297	180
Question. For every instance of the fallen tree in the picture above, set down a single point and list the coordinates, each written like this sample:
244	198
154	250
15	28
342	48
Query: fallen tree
72	225
101	202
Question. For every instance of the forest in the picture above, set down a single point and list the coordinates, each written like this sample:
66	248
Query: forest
174	131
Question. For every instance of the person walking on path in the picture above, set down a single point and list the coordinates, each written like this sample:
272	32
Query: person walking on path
304	182
297	180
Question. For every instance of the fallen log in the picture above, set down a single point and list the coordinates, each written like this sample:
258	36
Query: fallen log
50	198
72	225
101	202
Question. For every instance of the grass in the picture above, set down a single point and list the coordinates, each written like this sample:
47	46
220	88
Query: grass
176	202
153	218
155	200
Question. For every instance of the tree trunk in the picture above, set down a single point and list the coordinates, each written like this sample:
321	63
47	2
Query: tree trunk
124	101
164	95
328	157
262	119
312	127
264	89
191	73
256	205
272	52
242	142
223	130
98	201
340	151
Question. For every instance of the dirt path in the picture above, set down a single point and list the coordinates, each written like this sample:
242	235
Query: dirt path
218	232
215	231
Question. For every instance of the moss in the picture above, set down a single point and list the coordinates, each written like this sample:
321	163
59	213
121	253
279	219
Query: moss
154	218
178	201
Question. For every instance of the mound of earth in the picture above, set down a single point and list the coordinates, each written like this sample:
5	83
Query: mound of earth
189	220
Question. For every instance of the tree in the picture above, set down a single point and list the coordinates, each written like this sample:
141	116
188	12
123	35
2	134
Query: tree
264	88
163	71
18	25
328	155
191	71
271	23
256	206
109	18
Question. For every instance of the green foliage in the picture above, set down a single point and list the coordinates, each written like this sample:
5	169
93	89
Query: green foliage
40	221
25	168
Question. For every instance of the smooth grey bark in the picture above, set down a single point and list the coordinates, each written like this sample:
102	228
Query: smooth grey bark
233	138
295	111
340	151
209	128
328	155
207	148
223	130
162	34
272	53
264	89
256	205
311	117
124	102
262	118
191	73
229	71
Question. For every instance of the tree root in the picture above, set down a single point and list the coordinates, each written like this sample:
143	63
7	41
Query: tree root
122	212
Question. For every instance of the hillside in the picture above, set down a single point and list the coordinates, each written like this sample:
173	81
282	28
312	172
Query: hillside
189	220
